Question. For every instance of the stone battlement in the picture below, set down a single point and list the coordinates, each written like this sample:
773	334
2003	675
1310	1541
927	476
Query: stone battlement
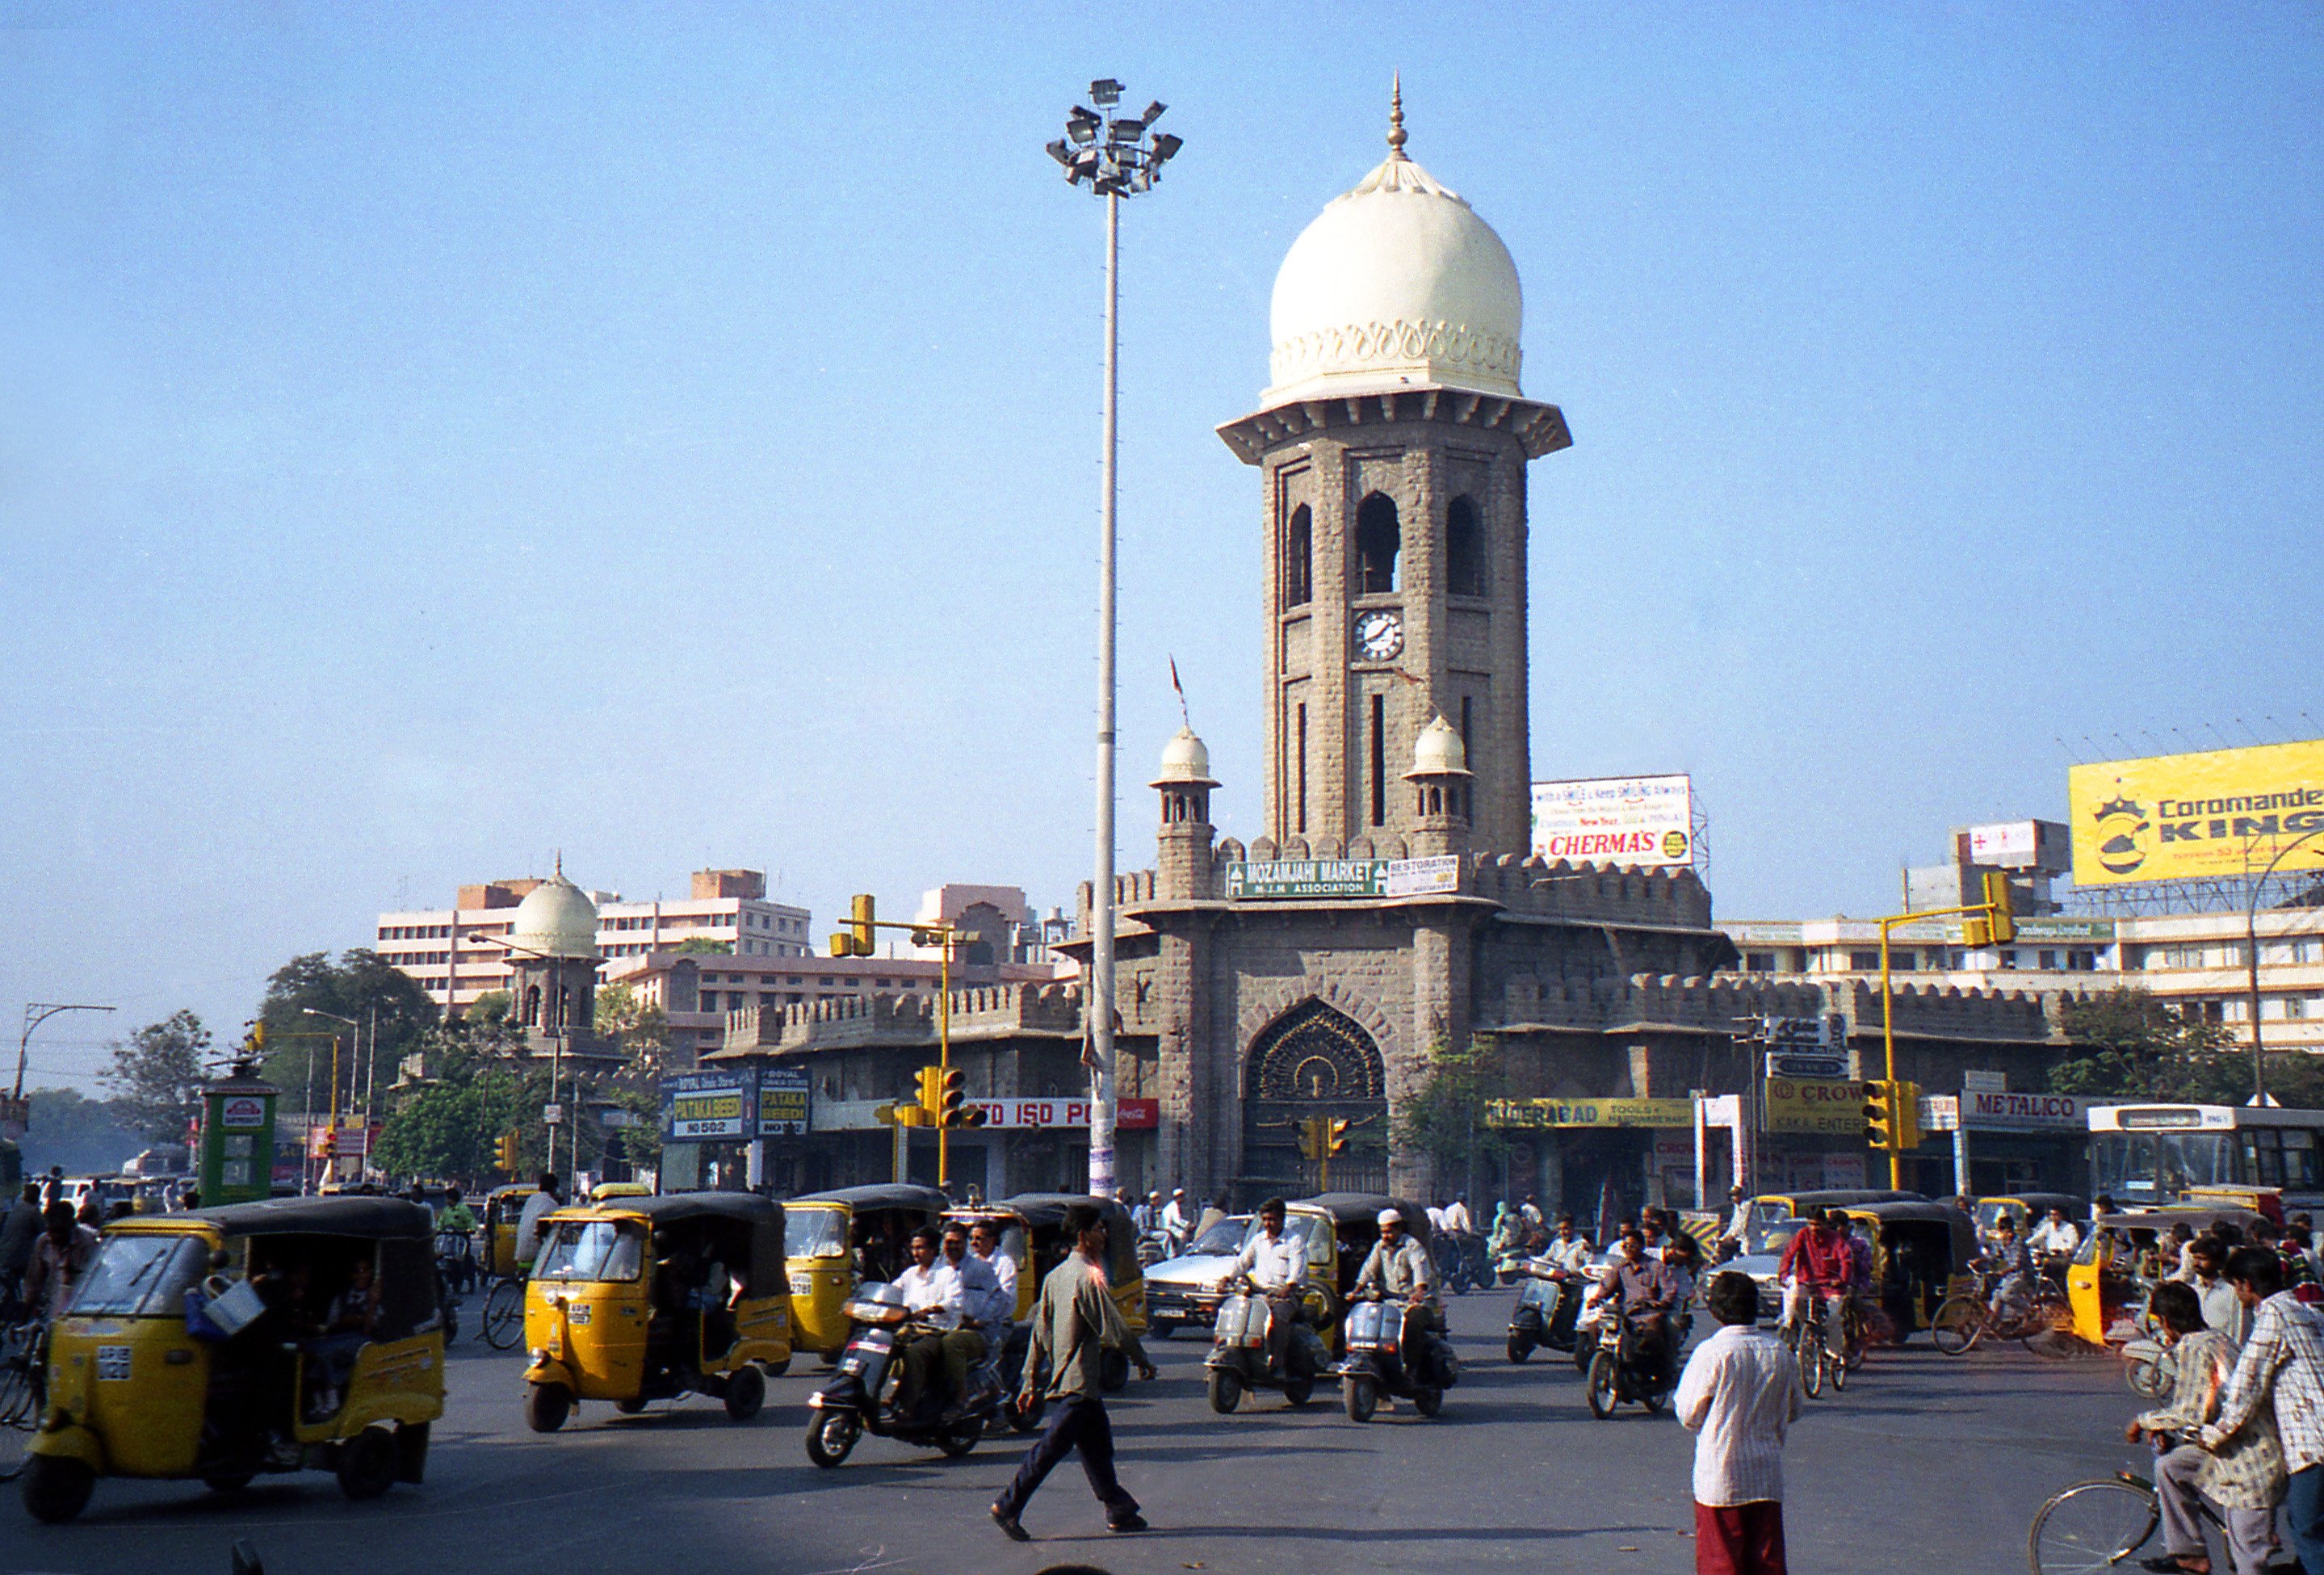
1715	1005
988	1012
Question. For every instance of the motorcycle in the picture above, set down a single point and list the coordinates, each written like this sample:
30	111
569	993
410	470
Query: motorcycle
860	1397
1620	1374
1546	1311
1462	1262
1388	1353
1238	1357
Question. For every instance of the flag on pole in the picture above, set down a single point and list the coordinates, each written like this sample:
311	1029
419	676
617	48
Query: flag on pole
1182	693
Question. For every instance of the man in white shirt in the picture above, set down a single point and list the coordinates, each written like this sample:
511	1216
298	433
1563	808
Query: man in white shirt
1456	1217
2223	1310
1740	1391
984	1241
2056	1234
937	1290
1175	1222
1276	1263
529	1225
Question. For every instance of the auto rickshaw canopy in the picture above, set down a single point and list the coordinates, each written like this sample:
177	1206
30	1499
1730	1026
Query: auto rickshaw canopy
761	1217
1044	1213
374	1218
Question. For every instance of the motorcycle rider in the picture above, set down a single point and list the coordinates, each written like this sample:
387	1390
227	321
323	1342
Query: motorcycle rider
1568	1256
950	1291
1399	1267
1276	1263
1644	1293
1176	1222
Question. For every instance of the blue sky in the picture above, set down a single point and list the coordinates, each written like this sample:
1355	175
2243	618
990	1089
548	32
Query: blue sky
670	434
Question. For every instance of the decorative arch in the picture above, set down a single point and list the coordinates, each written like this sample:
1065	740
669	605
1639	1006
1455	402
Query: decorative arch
1314	1053
1299	559
1314	1060
1380	537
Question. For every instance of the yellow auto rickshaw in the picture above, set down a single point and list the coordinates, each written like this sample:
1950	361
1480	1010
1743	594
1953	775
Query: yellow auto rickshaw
1768	1208
503	1209
1920	1255
604	1191
2119	1263
842	1238
2026	1210
643	1299
135	1389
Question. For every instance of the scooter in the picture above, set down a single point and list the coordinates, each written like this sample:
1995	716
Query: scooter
1388	1353
1239	1360
1546	1311
859	1398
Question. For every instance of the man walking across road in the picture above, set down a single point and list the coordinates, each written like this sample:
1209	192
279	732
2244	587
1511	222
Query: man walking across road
2281	1367
1740	1391
1074	1322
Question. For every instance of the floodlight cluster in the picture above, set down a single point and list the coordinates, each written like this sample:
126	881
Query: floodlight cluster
1117	155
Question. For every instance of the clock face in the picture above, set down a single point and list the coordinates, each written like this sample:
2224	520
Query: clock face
1379	635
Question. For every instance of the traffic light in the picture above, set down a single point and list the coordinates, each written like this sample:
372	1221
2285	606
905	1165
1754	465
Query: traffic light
856	940
328	1146
930	1080
1880	1115
505	1154
952	1108
1335	1136
1313	1135
1905	1114
1999	912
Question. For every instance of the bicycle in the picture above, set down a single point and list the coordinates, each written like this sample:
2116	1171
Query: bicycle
1963	1322
2098	1524
1818	1361
502	1324
23	1391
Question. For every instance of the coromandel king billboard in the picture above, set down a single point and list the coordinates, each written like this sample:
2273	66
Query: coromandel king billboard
2217	812
1646	821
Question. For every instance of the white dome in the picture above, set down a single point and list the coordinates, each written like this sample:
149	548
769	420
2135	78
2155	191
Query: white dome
1184	761
556	919
1397	285
1438	751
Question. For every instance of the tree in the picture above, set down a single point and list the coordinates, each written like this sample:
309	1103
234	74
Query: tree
360	986
703	946
2128	1044
447	1128
489	1009
638	1025
1446	1119
157	1077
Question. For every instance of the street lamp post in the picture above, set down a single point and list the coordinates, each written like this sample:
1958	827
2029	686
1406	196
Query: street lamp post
354	1043
35	1014
2251	961
1119	155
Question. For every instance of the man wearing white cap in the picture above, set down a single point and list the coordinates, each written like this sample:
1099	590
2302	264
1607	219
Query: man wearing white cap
1399	1267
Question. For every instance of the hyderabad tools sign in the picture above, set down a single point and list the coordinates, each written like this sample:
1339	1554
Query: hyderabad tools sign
1643	822
2219	812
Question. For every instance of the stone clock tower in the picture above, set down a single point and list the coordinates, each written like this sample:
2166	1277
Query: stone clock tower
1393	444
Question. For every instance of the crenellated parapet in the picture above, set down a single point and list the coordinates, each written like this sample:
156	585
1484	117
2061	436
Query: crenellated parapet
1717	1005
987	1012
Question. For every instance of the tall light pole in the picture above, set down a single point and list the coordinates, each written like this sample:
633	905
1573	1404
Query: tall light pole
1120	156
354	1045
35	1014
2251	961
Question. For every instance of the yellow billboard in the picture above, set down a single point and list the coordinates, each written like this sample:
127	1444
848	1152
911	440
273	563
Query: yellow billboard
2217	812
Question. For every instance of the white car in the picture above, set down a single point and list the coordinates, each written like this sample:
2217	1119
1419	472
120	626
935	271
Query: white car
1188	1288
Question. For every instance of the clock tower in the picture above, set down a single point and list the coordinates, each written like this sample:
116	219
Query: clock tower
1393	447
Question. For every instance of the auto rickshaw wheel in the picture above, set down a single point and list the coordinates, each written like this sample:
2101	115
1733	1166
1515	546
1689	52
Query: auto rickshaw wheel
1026	1418
1297	1391
634	1405
1361	1396
1226	1391
57	1487
1429	1401
1521	1348
960	1439
746	1391
229	1483
1601	1386
1162	1328
831	1436
777	1369
367	1464
546	1406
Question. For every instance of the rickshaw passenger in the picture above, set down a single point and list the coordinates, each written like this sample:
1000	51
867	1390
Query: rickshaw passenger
715	1298
348	1326
2012	1260
984	1239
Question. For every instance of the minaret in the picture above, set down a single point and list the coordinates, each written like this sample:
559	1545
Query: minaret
1441	784
1392	445
1183	869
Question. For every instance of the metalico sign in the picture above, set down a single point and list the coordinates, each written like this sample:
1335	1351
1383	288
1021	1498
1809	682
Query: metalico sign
2214	813
2002	1111
1643	822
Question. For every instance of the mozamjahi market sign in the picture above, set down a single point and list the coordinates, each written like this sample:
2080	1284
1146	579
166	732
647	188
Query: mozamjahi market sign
2217	812
1647	822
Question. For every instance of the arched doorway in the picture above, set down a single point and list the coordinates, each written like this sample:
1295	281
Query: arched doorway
1313	1061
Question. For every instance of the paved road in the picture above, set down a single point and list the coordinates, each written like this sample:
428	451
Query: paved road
1925	1464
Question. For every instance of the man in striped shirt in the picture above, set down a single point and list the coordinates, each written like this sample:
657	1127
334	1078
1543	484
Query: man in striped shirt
1740	1392
2280	1367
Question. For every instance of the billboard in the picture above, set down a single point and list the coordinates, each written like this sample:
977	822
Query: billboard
1646	821
2217	812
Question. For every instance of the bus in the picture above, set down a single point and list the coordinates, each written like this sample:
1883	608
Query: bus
2148	1156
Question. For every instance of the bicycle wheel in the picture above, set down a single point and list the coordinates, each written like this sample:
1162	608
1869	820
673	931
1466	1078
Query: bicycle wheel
1957	1325
1811	1360
1839	1364
503	1318
2091	1526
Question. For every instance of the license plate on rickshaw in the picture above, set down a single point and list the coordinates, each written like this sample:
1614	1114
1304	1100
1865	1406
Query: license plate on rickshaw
578	1313
802	1283
113	1362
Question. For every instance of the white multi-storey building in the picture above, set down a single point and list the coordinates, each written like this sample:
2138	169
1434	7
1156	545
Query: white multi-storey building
451	952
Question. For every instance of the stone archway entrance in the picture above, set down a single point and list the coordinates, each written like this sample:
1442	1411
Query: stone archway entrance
1312	1060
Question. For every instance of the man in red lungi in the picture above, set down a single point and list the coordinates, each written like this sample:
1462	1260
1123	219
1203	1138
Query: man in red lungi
1739	1392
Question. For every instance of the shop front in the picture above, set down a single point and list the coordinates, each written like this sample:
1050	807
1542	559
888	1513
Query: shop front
1600	1159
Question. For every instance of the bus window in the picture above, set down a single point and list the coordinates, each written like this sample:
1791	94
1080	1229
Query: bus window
2280	1157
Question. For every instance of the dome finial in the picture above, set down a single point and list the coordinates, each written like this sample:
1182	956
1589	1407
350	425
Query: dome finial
1396	117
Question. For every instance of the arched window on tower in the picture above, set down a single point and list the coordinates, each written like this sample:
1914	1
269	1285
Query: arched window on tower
1464	549
1378	537
1299	559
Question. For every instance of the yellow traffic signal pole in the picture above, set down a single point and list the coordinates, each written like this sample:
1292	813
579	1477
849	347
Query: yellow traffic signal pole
856	941
1888	1008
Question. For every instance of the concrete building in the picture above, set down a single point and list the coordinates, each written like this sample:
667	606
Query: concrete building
1392	907
450	953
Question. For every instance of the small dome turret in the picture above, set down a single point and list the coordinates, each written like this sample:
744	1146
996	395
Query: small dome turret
1438	751
556	919
1186	762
